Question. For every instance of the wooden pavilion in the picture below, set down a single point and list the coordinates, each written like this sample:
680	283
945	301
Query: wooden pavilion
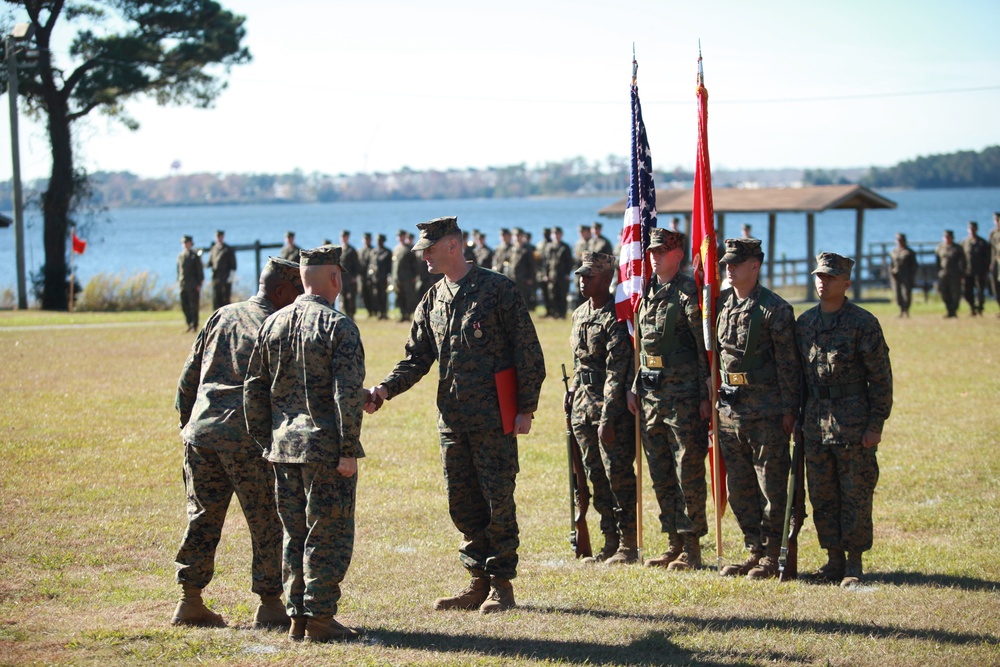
809	200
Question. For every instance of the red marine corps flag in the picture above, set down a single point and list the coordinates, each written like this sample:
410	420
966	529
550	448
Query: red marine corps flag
705	261
79	245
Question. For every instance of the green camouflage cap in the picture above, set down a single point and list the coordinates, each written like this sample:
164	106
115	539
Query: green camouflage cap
596	263
833	264
325	255
187	239
740	250
665	238
434	230
286	270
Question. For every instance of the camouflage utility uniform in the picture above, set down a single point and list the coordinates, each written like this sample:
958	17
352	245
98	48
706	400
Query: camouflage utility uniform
758	389
848	391
351	262
475	328
220	457
672	382
977	268
190	276
304	400
603	370
404	279
903	273
222	261
951	268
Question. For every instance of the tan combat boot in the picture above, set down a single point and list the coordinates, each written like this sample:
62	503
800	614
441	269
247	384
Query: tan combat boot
627	553
675	546
690	558
853	571
501	597
833	570
297	628
325	629
471	597
271	614
611	543
191	610
741	569
767	567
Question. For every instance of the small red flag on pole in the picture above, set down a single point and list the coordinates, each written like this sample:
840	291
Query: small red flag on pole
79	245
704	258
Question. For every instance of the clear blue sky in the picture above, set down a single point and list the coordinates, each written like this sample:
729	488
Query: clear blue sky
343	87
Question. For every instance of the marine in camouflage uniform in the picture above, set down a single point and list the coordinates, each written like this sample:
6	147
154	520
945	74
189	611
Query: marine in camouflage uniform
379	268
404	277
304	399
951	268
848	393
190	276
290	251
672	388
559	265
220	457
522	267
995	257
474	323
758	402
977	267
481	252
351	262
501	254
367	285
603	371
222	261
903	273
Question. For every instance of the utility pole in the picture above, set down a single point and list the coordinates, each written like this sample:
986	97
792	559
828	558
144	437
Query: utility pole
21	32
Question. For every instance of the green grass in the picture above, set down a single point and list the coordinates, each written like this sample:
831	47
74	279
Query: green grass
92	510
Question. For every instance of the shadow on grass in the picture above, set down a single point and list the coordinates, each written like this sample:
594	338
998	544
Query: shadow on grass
938	580
654	648
734	623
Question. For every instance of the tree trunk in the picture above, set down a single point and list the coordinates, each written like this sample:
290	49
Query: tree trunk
55	207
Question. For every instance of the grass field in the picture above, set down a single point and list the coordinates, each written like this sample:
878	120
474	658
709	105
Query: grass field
93	509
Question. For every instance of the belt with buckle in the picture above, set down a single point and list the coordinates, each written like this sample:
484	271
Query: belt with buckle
741	379
652	361
735	379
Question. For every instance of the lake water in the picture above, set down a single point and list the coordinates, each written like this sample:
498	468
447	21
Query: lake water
148	239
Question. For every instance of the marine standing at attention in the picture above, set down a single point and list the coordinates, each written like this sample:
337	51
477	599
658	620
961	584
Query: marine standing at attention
220	457
404	276
304	400
352	266
671	396
290	251
977	267
758	402
222	261
848	398
903	273
951	268
602	424
475	324
190	276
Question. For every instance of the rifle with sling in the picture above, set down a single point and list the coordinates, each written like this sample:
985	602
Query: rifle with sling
795	508
579	493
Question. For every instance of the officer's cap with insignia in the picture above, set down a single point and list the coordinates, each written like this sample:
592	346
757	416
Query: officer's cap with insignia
187	238
596	263
285	270
325	255
434	230
833	264
665	238
740	250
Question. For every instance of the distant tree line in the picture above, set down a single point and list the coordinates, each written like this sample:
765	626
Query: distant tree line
575	176
964	169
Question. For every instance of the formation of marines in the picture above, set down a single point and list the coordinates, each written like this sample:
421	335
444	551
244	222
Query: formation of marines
271	403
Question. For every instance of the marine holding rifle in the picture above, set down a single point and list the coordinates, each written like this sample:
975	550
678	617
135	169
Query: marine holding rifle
671	390
848	398
758	401
475	324
603	427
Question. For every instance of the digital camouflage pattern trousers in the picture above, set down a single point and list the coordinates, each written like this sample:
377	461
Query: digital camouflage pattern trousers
841	490
210	479
611	472
316	506
757	460
675	439
480	468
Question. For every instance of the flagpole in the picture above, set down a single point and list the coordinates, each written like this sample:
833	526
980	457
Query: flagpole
717	453
638	452
72	268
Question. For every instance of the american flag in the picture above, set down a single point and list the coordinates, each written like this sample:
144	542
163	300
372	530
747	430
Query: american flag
640	217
